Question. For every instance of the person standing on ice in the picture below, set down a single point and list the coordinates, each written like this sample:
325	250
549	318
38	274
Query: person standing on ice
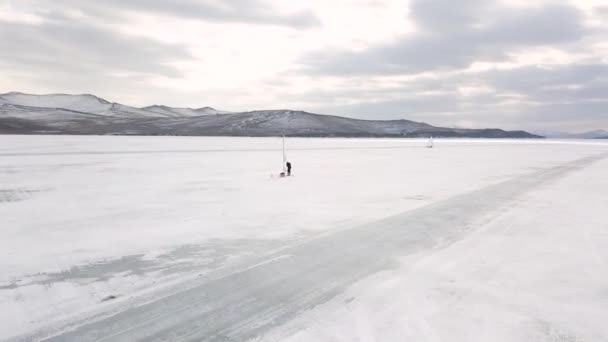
288	164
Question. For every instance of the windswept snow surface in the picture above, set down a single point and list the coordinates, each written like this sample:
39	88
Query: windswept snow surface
371	240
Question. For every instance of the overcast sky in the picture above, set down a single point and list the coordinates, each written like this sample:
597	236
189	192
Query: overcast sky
525	64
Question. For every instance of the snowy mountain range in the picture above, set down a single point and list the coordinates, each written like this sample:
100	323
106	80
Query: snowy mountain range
88	114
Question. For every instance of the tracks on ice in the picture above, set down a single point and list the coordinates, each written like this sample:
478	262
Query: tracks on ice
269	291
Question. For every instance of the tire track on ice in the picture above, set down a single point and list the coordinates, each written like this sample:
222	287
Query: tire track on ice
269	291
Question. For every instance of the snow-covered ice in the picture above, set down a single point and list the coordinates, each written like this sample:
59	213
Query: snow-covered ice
84	218
535	271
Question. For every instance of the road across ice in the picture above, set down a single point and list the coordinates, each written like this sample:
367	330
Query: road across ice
250	299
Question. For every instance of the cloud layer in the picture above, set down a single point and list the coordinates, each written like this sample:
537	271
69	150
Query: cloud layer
469	63
453	35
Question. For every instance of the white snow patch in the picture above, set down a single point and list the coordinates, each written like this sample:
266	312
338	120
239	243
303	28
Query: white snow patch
89	104
184	112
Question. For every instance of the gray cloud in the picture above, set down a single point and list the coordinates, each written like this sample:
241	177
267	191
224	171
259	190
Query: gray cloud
444	16
225	11
450	36
63	54
70	46
454	35
53	45
561	97
247	11
602	10
576	82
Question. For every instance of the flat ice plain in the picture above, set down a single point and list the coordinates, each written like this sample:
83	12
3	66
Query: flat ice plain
190	239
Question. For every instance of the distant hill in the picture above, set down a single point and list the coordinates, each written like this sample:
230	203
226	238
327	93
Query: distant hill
88	114
596	134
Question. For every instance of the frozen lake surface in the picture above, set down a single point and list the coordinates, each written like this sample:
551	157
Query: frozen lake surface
186	238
